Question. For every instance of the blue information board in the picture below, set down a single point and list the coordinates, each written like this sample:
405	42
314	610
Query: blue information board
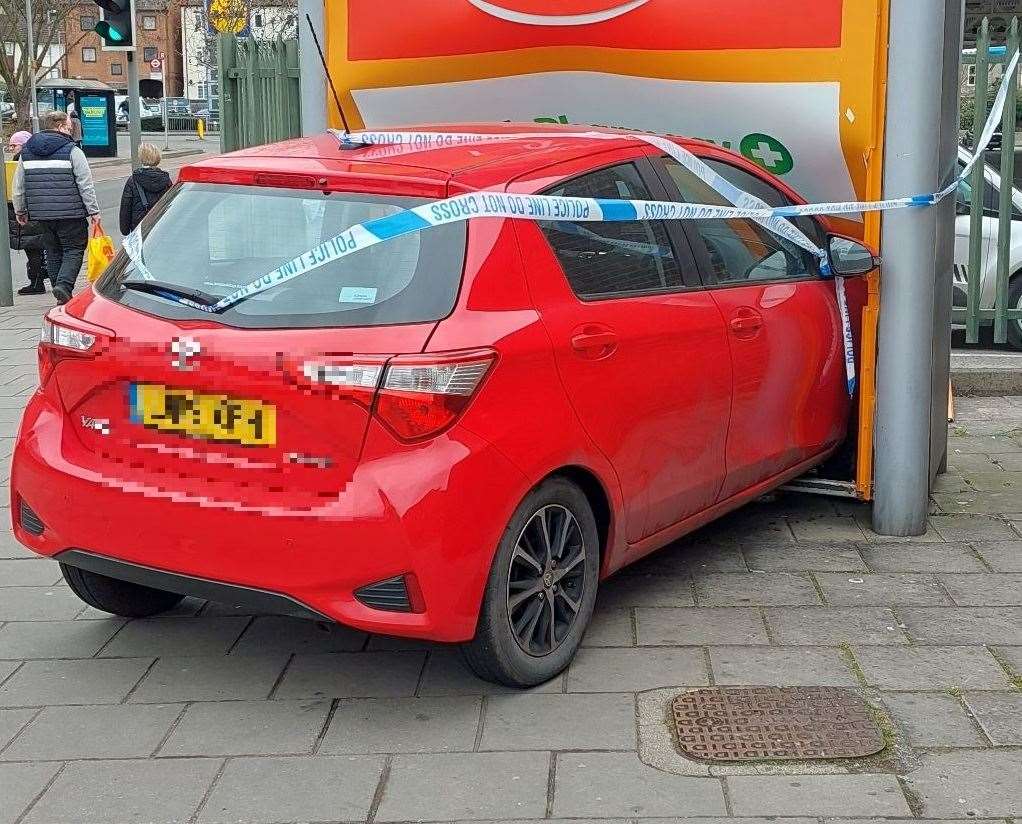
95	113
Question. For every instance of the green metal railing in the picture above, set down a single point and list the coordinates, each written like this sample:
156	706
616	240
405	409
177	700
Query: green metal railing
975	314
259	94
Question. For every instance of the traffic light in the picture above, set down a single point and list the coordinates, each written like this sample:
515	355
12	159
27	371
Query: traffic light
116	27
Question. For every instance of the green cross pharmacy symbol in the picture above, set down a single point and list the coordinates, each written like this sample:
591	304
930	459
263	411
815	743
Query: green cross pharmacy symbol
768	152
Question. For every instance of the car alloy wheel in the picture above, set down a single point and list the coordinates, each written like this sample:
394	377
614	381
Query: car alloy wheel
546	580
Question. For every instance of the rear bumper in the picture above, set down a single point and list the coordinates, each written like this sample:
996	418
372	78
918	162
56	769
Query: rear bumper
435	511
188	585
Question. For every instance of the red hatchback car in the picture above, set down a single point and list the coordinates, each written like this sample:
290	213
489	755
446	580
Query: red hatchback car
453	435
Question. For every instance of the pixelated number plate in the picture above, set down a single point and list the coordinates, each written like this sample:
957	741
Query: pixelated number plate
773	724
211	417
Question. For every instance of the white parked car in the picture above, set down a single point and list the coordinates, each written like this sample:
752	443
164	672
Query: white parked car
988	277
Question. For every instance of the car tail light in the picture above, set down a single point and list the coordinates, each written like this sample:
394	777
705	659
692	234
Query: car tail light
351	376
62	336
422	395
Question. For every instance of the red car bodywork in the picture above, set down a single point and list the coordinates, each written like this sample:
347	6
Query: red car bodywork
668	409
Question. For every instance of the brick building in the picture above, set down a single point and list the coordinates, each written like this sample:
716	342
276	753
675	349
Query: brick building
157	31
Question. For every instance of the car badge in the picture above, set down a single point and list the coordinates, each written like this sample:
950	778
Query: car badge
184	349
100	425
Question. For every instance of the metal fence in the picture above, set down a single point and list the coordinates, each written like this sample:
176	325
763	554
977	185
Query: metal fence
259	94
988	268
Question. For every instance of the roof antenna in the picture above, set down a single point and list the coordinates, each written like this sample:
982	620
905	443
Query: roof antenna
346	143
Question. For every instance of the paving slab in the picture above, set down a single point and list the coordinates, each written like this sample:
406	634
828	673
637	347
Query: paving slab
269	790
163	791
991	589
930	668
827	528
40	683
1001	556
689	556
858	795
29	572
691	626
828	557
11	723
170	636
933	719
559	722
39	604
470	786
963	625
755	589
211	678
618	785
833	626
248	728
624	591
976	784
19	785
56	639
781	667
405	725
922	558
610	628
118	731
972	528
352	675
279	633
446	674
631	670
979	503
999	714
881	589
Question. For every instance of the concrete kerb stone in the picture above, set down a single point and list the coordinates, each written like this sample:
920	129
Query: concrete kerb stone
658	748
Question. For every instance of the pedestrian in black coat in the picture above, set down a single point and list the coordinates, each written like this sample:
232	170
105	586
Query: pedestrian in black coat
146	185
28	238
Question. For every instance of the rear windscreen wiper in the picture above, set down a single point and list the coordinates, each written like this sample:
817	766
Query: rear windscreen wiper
162	288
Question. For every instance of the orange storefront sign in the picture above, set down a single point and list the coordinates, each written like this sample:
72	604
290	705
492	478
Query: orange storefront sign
797	86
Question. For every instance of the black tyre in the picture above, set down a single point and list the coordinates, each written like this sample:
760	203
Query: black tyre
116	596
1015	302
541	590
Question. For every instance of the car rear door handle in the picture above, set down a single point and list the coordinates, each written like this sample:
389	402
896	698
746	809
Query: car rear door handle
594	342
746	323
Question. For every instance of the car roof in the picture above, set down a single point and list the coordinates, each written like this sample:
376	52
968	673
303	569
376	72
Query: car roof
491	163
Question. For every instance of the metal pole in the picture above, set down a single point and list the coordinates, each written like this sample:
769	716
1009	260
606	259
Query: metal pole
134	110
312	81
6	274
908	244
33	107
947	169
166	114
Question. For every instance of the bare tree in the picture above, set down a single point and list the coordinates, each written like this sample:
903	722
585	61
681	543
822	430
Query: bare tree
234	16
48	18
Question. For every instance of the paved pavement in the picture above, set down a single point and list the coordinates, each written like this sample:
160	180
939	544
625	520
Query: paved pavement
218	714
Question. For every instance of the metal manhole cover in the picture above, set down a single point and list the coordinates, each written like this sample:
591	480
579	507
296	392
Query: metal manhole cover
774	724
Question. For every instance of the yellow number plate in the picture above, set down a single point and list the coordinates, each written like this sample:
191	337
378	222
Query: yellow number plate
213	417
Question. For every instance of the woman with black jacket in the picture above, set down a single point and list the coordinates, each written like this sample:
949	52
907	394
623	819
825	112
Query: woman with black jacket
29	237
146	185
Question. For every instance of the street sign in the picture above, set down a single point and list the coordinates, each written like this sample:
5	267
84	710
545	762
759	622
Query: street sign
155	64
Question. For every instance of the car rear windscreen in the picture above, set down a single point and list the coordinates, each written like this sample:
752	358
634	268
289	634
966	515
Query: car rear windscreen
214	239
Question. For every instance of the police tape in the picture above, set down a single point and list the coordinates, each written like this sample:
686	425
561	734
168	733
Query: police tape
578	210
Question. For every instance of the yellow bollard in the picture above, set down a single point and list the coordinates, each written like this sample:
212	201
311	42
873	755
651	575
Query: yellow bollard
200	128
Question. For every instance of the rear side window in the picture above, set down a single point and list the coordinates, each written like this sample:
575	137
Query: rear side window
742	251
217	238
613	259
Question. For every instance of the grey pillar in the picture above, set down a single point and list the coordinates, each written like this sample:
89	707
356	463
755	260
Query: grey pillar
134	110
908	285
948	167
312	79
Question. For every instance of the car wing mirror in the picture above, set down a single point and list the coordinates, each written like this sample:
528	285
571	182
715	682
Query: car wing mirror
849	258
